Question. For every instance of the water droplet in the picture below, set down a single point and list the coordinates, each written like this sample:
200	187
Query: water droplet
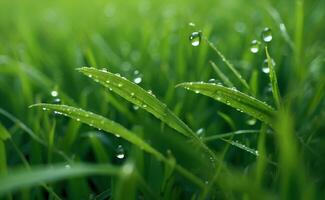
90	76
255	46
56	100
44	109
197	91
78	119
212	80
195	38
191	24
54	93
104	70
135	107
132	94
108	81
120	154
120	85
137	80
251	121
267	34
265	67
117	74
67	166
200	132
144	105
136	72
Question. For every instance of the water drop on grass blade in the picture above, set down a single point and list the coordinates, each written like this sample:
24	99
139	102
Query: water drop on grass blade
267	35
255	46
120	152
195	38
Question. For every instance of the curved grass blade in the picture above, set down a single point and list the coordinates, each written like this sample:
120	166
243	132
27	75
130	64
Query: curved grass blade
27	178
219	136
107	125
138	96
100	122
232	97
273	80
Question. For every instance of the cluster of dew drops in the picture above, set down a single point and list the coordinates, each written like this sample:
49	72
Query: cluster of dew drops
256	45
120	152
196	36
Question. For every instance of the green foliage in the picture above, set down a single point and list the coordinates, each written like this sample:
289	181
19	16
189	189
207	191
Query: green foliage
262	139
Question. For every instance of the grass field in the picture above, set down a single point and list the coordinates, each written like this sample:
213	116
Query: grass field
165	99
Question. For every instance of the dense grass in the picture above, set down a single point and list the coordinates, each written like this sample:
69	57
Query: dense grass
259	136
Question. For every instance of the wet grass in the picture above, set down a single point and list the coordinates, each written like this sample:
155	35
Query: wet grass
249	127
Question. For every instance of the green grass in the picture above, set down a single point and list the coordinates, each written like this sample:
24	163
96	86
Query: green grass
124	127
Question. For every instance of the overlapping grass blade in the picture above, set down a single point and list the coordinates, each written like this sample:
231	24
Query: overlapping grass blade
219	136
273	80
222	76
232	97
144	99
22	178
107	125
228	64
138	96
241	146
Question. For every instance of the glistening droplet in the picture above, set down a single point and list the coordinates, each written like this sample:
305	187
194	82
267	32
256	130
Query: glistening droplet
120	154
255	46
195	38
267	35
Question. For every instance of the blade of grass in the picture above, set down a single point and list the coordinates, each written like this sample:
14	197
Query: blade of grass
273	80
222	76
228	64
229	134
22	179
235	99
241	146
138	96
109	126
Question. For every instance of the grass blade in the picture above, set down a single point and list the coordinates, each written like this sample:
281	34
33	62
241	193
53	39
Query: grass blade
107	125
138	96
28	178
100	122
219	136
273	79
228	64
222	76
242	102
241	146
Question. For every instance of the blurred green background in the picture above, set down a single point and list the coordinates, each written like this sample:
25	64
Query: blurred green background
43	42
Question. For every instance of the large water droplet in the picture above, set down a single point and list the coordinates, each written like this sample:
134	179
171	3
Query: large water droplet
120	154
195	38
267	34
255	46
